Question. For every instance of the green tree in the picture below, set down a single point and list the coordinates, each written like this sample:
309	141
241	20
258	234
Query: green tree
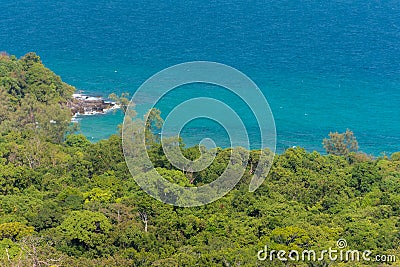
86	230
77	141
341	144
153	122
123	102
35	98
15	231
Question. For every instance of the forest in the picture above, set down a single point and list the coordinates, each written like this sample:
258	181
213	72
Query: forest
68	202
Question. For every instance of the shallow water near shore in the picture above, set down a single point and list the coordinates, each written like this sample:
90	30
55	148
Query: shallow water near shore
322	66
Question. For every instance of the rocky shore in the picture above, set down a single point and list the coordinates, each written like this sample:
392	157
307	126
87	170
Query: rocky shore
89	105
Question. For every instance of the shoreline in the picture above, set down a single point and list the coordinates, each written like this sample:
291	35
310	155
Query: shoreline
86	105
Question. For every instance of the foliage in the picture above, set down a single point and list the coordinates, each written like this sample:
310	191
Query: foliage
34	100
14	231
341	144
74	203
122	101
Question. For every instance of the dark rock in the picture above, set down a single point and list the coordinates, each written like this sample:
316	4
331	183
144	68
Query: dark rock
81	104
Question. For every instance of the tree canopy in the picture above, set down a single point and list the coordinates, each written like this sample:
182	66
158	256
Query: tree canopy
68	202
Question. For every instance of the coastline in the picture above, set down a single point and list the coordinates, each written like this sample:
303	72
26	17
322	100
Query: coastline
86	105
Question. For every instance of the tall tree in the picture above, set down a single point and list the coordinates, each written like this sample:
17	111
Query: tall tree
341	144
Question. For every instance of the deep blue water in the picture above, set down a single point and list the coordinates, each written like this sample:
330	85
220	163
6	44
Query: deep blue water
323	65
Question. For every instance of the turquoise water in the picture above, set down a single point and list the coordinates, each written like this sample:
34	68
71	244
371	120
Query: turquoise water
323	66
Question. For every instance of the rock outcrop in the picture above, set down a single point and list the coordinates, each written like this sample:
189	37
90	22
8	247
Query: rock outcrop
88	105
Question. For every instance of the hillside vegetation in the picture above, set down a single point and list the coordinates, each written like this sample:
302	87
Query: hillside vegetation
68	202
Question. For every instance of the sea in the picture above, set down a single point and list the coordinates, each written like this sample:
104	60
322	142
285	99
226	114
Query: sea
324	66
